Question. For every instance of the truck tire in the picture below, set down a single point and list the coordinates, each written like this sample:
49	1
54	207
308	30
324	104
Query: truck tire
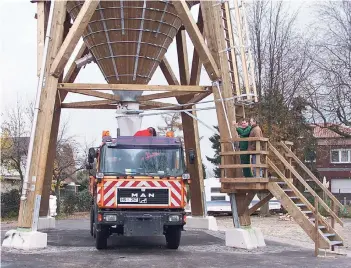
92	219
173	235
101	238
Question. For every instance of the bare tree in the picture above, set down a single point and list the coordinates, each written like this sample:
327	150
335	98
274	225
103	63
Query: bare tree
15	140
328	91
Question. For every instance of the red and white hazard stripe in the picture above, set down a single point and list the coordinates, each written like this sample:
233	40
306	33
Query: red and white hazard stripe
109	190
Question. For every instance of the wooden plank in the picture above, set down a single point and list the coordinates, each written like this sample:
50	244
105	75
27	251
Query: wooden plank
157	104
308	187
243	166
229	187
168	72
243	152
197	39
260	203
199	97
196	63
163	95
244	180
71	40
182	50
244	139
312	176
42	17
73	71
97	94
86	104
296	213
316	227
132	87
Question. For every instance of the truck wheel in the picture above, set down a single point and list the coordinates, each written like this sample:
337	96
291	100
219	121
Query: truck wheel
173	235
92	221
101	238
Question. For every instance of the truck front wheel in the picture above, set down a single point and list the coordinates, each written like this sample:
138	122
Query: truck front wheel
101	238
173	235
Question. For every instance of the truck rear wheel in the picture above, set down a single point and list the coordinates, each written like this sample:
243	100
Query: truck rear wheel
101	238
173	235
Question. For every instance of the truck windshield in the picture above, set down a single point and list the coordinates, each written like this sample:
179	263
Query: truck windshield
142	161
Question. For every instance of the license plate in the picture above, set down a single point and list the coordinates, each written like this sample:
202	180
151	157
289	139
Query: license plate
128	200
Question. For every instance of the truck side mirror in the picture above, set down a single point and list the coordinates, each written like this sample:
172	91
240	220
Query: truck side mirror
91	155
191	156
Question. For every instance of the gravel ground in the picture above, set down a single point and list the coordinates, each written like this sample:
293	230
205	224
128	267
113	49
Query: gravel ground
286	231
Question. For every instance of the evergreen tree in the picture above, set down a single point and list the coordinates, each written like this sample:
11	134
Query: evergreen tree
216	160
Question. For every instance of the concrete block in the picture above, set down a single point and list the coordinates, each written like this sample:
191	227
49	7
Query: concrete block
46	223
239	238
207	223
259	237
25	240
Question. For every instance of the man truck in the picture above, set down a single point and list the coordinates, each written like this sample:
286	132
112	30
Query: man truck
139	187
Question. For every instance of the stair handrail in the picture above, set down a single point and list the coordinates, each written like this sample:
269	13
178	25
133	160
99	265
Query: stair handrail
312	176
307	186
302	197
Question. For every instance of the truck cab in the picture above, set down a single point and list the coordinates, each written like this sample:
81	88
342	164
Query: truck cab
138	187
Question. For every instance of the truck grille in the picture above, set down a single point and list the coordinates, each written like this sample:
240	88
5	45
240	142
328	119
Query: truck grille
144	196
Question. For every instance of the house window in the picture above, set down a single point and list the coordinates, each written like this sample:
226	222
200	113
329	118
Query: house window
341	156
217	198
215	190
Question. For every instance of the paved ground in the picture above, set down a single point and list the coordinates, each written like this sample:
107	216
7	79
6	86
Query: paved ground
70	245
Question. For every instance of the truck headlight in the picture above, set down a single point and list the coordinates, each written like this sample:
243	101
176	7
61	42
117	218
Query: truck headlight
174	218
110	217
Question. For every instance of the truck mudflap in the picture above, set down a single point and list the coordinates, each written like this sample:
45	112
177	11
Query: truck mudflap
142	223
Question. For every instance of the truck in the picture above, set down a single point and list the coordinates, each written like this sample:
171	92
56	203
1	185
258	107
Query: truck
139	187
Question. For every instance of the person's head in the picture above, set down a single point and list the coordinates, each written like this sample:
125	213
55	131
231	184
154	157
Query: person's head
244	123
152	131
253	122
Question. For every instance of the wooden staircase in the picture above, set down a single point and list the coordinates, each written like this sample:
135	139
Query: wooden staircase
282	187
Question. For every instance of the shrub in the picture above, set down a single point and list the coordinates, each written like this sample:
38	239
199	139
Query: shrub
68	203
10	203
83	201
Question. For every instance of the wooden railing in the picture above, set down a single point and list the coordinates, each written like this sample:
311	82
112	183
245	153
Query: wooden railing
305	184
261	153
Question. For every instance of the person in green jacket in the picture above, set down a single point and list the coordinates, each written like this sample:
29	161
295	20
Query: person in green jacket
244	132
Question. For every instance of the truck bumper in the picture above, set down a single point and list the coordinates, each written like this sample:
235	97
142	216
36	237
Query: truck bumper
142	223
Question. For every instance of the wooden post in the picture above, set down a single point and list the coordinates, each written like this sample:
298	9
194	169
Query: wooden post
190	132
214	30
44	124
332	221
258	159
316	217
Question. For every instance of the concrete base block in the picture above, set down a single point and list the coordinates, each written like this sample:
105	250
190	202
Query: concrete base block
260	238
249	238
25	240
46	223
207	223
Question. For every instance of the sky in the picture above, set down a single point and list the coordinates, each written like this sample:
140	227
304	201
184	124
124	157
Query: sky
18	78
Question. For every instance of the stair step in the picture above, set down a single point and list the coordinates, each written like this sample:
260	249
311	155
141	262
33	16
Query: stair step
287	190
294	197
300	205
281	182
328	235
306	211
321	227
334	243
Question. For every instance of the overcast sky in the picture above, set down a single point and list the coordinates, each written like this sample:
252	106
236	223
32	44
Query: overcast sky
18	75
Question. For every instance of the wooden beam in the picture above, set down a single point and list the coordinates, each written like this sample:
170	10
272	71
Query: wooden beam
168	72
163	95
75	33
42	18
131	87
196	64
86	104
182	50
260	203
244	180
157	104
73	70
93	93
197	39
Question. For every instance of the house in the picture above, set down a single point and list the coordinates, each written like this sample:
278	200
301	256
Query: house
333	160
